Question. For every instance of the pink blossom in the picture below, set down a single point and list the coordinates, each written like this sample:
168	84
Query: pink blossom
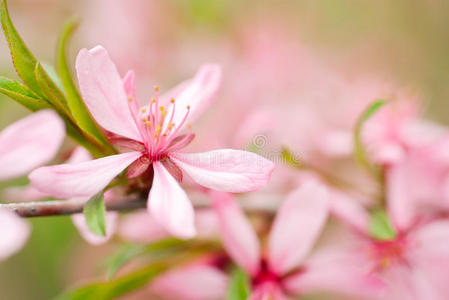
411	265
14	233
30	143
153	133
24	145
286	268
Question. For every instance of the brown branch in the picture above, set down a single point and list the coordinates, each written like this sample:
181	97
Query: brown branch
67	207
70	207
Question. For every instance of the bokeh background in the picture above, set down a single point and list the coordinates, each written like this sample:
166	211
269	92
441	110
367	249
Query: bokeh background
269	50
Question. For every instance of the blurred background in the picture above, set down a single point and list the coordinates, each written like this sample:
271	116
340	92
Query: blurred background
323	55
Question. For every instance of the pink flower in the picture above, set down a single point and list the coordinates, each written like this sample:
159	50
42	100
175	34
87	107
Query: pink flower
29	143
24	145
153	133
283	269
412	265
198	280
14	233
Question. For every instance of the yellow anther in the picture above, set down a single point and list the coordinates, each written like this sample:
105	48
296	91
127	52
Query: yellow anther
170	126
158	129
188	106
130	99
172	100
162	108
143	109
153	100
165	134
156	88
147	123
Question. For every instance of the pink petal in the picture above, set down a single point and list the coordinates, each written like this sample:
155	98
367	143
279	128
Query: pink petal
401	205
239	238
198	93
226	170
83	179
79	155
23	193
103	92
129	84
80	222
339	268
169	204
141	227
350	211
297	225
14	232
195	282
428	239
268	291
30	143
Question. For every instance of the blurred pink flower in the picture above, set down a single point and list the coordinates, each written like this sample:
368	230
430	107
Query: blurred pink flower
30	143
284	269
25	145
412	265
14	233
199	280
152	134
398	128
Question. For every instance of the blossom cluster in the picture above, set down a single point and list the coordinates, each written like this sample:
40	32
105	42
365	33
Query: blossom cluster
352	204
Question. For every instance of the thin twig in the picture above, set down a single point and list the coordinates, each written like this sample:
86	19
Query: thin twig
70	207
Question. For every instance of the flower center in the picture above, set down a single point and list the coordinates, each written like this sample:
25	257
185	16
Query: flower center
390	252
265	275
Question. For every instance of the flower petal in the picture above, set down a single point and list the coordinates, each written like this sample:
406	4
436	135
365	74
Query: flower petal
30	143
14	232
226	170
239	238
83	179
140	227
297	225
196	93
194	282
169	204
401	205
103	92
349	211
80	223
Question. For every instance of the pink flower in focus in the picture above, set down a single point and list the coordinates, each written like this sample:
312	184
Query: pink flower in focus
284	270
412	265
24	145
153	133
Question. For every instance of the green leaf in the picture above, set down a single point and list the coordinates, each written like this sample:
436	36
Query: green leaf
239	287
20	93
76	104
95	211
124	255
359	149
380	226
118	287
51	91
290	158
24	61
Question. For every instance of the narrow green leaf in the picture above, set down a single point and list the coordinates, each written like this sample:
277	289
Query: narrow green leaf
290	158
95	212
359	149
51	91
120	258
118	287
380	226
20	93
24	61
76	104
239	288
